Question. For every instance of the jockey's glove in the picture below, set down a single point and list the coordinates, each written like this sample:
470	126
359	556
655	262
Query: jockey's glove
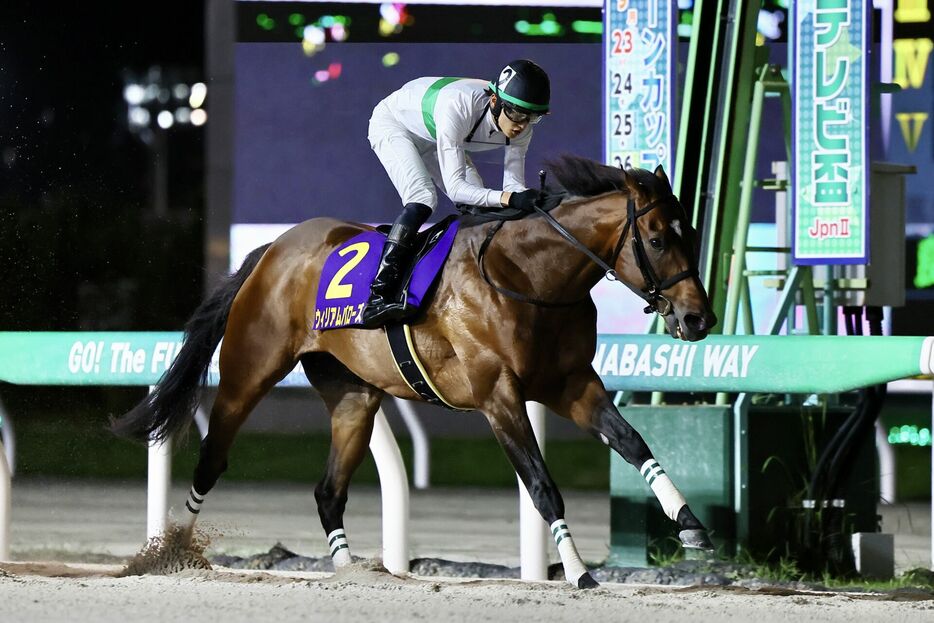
524	201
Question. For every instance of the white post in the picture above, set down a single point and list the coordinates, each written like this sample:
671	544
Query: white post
394	491
911	386
421	461
8	438
159	475
886	465
202	421
157	497
533	532
6	507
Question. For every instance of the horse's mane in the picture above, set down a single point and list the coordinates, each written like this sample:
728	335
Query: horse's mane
580	177
586	178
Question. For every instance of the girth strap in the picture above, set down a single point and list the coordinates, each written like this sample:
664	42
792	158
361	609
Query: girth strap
411	368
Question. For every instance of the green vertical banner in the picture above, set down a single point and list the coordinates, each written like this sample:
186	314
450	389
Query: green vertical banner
831	132
639	111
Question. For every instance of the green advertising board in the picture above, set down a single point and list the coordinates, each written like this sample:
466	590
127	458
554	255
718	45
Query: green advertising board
78	358
638	60
719	363
830	126
759	363
134	358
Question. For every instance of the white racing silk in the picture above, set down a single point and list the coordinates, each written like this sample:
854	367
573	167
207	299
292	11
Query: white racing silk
420	135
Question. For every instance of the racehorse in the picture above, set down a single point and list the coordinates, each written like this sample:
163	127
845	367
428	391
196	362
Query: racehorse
510	324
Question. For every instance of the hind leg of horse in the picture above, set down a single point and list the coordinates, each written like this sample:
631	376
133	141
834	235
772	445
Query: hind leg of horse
585	402
242	384
510	423
352	404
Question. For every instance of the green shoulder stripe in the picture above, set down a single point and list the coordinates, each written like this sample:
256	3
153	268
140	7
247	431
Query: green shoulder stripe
429	100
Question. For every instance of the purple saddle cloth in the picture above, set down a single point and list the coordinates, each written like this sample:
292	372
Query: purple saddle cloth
349	270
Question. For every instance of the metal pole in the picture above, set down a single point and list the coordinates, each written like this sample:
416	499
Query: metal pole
159	475
741	232
533	532
6	506
830	307
202	421
421	457
741	235
886	465
394	491
8	438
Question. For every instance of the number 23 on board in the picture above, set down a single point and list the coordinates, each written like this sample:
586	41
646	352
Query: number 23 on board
622	41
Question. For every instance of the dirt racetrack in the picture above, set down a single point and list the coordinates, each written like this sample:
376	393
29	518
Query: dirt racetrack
85	522
56	592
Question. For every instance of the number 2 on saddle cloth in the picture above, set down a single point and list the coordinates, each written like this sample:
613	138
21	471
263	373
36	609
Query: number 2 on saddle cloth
348	271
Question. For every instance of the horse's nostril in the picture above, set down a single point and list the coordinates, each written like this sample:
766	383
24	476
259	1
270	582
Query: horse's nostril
695	322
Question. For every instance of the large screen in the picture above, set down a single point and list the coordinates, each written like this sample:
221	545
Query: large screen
302	148
308	75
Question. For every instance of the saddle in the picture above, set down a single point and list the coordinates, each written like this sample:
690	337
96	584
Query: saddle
349	270
425	239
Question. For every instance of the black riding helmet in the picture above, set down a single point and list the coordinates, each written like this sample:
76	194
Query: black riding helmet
524	86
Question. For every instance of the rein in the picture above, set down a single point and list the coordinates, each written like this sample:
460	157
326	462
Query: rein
652	295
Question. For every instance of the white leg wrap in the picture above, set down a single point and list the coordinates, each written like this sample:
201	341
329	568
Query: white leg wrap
665	490
340	550
193	506
573	565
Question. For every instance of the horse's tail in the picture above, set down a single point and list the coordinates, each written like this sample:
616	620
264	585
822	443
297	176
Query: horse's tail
169	408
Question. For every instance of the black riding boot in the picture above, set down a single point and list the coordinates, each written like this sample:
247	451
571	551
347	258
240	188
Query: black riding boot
385	302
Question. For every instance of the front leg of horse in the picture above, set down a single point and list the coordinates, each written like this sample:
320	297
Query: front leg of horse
585	401
510	424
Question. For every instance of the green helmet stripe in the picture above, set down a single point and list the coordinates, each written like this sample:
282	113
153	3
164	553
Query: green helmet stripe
430	99
516	101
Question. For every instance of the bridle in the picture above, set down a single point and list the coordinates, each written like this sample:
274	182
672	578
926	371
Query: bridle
652	293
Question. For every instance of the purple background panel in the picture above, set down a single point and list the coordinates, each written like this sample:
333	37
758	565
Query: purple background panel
353	287
300	146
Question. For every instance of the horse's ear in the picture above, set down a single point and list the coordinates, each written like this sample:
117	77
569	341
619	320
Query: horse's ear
627	182
630	184
660	174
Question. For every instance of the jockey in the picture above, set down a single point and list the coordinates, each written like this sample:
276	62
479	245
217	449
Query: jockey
422	133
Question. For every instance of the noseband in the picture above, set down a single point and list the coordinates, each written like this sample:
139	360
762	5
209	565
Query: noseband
652	293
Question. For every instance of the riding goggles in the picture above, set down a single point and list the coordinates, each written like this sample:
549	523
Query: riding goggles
516	116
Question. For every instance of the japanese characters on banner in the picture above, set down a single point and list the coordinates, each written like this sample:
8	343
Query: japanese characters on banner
639	110
831	125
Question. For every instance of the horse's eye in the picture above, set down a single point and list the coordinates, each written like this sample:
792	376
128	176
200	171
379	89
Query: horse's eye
656	243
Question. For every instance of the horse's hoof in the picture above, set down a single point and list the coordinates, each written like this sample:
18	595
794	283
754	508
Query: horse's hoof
587	581
695	539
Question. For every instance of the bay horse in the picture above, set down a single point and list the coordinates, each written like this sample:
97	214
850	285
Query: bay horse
520	328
